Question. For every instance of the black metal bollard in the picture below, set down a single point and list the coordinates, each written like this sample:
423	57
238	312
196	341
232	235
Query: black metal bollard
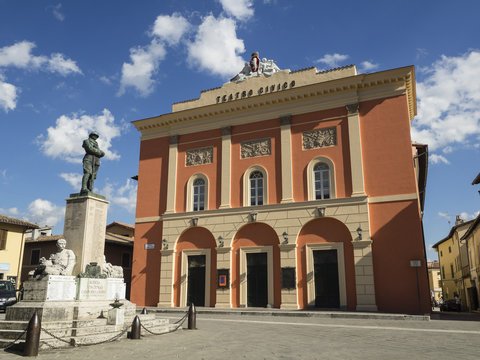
32	339
192	317
135	333
144	311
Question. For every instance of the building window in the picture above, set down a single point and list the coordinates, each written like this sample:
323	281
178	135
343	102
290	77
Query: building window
125	260
198	195
449	249
451	270
256	188
321	178
35	257
3	239
441	253
443	271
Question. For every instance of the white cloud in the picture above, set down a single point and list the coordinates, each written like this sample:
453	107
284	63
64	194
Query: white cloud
124	196
466	216
58	64
56	12
44	212
105	80
74	179
12	211
332	60
144	64
449	102
19	55
436	159
66	138
240	9
217	39
366	66
444	215
170	29
8	96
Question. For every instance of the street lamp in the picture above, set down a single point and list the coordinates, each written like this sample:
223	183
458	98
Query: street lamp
359	232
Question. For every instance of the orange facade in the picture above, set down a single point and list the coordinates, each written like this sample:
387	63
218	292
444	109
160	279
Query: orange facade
360	232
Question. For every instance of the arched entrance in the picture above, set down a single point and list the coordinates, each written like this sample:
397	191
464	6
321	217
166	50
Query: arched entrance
255	267
325	263
195	268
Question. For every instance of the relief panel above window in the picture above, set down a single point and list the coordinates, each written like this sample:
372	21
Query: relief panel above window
314	139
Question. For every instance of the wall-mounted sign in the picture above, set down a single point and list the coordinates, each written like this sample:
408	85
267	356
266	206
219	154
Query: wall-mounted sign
149	246
4	266
415	263
222	278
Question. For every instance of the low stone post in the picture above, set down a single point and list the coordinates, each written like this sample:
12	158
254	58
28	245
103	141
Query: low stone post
192	317
144	311
135	333
32	339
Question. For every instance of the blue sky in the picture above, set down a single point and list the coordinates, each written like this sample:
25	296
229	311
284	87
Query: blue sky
69	67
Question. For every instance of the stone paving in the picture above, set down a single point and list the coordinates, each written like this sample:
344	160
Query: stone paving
226	336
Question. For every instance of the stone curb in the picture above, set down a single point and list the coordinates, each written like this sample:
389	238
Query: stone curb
295	313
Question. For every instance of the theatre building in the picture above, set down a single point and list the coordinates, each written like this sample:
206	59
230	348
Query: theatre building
296	190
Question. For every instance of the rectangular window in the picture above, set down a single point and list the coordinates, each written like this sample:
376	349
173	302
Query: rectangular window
35	257
3	239
125	260
449	249
451	269
443	271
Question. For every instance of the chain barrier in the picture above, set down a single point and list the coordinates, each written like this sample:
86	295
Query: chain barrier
72	341
9	345
179	322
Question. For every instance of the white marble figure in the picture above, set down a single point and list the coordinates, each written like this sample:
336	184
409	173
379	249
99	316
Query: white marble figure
265	67
60	263
112	271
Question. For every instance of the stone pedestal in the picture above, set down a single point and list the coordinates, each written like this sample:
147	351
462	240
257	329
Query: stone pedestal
92	289
116	289
116	316
51	287
84	229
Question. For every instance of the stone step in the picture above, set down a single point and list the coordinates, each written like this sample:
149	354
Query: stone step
11	334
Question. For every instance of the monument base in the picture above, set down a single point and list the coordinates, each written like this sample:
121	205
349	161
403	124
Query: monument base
51	287
66	310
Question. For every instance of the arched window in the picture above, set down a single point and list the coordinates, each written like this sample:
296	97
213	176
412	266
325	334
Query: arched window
197	193
256	188
321	178
198	200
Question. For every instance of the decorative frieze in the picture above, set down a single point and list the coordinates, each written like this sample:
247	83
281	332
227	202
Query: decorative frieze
314	139
199	156
254	148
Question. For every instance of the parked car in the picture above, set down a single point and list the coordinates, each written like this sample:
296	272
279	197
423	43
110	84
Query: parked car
449	305
8	294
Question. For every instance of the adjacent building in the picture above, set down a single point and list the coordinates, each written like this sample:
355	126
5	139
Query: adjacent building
435	280
301	189
454	264
472	243
12	244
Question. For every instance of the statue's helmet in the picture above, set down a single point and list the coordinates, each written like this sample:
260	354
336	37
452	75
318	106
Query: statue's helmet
93	134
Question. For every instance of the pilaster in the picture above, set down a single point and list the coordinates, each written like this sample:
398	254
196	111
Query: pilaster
166	279
365	281
226	168
355	142
286	154
172	174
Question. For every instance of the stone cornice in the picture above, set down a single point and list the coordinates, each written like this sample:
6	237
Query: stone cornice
354	200
296	100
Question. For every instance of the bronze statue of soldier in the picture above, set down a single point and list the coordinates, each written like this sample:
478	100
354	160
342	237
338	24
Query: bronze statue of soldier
91	162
